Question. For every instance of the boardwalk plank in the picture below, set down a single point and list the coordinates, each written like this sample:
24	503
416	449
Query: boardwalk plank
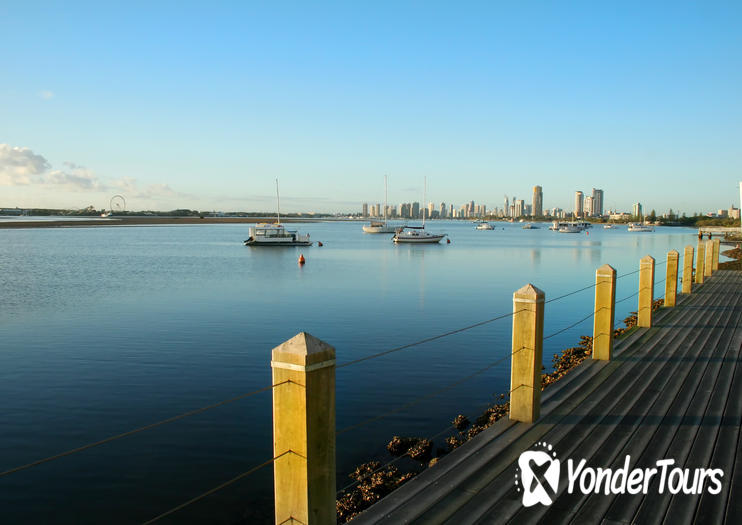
674	390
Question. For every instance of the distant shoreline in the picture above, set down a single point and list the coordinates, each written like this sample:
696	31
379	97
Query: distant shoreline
146	221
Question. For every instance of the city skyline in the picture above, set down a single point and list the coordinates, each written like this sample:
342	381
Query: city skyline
203	108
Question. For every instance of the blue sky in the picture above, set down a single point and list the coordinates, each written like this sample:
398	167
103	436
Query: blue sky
204	105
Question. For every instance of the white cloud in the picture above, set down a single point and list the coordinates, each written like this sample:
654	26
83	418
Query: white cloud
23	167
75	177
20	166
46	94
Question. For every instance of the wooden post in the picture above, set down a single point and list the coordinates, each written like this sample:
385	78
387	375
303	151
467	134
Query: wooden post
304	431
605	309
528	340
700	258
688	269
671	282
646	291
715	258
708	264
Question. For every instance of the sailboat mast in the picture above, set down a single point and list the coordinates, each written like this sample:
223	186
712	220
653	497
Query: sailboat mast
425	196
278	199
386	197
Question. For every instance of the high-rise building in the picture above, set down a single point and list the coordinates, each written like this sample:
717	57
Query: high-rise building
538	201
579	210
451	211
636	210
364	211
589	210
506	209
597	202
415	213
443	210
431	209
519	208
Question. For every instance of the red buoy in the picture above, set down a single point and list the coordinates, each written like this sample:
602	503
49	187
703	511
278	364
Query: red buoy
448	241
301	259
319	243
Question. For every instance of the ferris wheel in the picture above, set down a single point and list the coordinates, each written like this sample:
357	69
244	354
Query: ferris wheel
118	204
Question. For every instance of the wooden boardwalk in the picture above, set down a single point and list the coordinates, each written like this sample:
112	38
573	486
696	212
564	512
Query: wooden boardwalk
671	391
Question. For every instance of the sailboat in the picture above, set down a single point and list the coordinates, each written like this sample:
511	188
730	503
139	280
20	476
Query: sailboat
275	234
418	234
378	226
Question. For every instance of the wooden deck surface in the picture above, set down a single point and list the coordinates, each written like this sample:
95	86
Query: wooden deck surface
672	391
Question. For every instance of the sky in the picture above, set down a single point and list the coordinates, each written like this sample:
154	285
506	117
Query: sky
203	105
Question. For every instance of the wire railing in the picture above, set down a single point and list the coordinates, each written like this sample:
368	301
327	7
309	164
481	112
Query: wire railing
413	402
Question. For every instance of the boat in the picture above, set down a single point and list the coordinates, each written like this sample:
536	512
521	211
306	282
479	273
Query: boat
276	234
639	227
378	226
417	234
485	226
569	228
530	226
579	225
609	226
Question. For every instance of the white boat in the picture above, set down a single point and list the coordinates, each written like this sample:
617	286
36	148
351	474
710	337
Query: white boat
417	234
378	226
485	226
639	227
609	226
579	225
569	228
530	226
275	234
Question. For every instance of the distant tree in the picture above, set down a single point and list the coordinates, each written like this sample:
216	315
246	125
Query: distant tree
652	216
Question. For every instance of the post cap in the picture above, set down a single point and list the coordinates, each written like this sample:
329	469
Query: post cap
673	253
647	259
606	271
529	293
303	350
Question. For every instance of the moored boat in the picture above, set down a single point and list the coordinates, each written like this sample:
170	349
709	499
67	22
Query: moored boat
639	227
379	227
485	226
417	235
275	234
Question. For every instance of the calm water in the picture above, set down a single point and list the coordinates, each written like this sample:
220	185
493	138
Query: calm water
107	329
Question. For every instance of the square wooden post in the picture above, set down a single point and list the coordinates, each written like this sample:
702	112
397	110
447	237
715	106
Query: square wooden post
671	282
304	431
688	269
527	355
605	309
708	264
646	291
715	257
700	259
